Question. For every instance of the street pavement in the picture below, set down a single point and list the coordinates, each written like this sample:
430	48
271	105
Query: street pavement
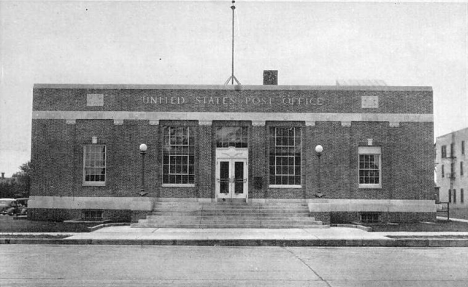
124	265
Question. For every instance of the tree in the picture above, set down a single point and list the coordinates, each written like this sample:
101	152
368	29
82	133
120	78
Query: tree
7	189
23	180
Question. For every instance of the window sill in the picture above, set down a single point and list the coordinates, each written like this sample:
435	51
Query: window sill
285	186
177	185
370	186
94	184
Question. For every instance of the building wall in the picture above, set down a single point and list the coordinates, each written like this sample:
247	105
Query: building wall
64	120
458	181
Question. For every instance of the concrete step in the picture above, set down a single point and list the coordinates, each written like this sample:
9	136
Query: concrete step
230	209
211	220
192	214
265	211
205	226
228	214
225	205
226	217
230	220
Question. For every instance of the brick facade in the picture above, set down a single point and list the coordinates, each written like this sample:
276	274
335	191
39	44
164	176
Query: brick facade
64	122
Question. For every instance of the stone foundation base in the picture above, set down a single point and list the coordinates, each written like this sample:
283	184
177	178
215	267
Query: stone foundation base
138	214
321	216
372	210
53	214
401	217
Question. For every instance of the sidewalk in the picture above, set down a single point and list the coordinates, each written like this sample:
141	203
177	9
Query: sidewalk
334	236
128	233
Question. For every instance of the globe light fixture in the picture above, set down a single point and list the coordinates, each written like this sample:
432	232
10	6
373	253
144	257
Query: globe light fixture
319	150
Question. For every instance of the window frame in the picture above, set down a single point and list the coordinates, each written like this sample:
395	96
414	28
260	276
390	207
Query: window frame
443	151
370	217
297	144
369	150
189	145
222	142
92	214
94	183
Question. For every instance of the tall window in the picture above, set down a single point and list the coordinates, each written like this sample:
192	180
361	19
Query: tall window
462	196
370	167
450	196
178	156
444	151
452	150
461	168
94	165
463	147
231	136
285	156
454	196
443	171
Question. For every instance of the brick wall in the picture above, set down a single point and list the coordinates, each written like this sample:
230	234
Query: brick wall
249	99
258	171
406	160
407	150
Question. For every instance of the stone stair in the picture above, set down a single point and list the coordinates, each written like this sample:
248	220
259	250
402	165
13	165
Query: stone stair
193	214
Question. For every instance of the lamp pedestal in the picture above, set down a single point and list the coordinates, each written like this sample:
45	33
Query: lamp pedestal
143	149
318	152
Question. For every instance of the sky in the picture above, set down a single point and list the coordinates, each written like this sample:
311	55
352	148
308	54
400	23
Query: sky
189	42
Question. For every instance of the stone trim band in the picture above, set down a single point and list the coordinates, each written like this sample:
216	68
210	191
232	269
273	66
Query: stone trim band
207	117
315	205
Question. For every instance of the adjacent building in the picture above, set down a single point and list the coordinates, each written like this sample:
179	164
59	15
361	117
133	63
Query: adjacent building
250	144
451	164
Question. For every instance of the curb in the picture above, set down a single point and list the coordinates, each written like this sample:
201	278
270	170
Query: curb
419	242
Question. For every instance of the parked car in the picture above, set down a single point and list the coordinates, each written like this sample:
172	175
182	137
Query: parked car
13	206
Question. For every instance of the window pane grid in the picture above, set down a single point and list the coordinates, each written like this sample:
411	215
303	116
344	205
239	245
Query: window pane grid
178	156
444	151
369	169
231	136
95	163
285	156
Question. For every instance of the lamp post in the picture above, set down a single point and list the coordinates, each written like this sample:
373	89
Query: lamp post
143	149
318	152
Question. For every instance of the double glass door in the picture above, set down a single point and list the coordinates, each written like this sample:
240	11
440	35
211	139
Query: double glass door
231	178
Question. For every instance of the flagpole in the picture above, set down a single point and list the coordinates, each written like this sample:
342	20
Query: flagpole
233	8
232	78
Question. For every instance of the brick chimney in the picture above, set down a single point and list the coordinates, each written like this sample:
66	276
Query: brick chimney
270	77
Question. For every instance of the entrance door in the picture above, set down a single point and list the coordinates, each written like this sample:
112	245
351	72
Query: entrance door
231	178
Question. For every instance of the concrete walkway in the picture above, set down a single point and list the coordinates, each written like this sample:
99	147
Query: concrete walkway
333	236
128	233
